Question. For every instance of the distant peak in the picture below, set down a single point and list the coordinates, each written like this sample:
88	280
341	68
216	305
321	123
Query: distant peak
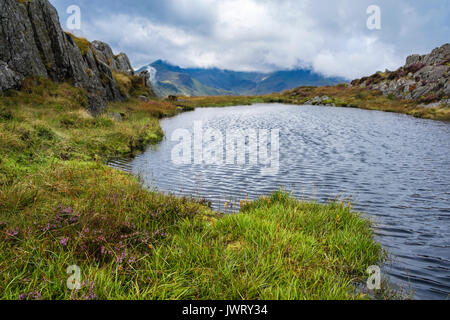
162	62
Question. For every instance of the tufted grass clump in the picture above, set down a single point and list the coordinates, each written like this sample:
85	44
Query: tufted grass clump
278	249
133	86
82	43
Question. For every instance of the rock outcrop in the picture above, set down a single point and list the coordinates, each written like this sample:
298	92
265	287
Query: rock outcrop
120	62
423	78
34	44
321	101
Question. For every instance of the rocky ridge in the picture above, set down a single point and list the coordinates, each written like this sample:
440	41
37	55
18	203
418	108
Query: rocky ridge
424	78
34	44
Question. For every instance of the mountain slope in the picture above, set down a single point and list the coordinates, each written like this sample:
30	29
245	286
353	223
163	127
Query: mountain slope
168	79
172	80
420	88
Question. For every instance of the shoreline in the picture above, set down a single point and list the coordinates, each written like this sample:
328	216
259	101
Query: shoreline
340	97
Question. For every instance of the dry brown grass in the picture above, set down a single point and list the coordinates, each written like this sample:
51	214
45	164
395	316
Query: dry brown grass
344	96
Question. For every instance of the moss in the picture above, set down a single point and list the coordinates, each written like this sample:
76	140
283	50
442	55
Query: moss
82	43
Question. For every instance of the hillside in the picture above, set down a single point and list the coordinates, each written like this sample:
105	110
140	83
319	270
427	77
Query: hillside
424	78
420	88
35	45
168	79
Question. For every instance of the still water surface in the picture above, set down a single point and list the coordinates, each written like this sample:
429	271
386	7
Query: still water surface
393	167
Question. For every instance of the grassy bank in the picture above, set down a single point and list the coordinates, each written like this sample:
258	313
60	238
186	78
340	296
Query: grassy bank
340	95
218	101
61	206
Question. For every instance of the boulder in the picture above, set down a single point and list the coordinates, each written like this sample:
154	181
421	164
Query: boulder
143	98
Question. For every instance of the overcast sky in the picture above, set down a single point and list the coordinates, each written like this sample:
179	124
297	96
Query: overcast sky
329	36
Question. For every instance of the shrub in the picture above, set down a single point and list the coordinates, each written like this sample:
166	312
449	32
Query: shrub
5	114
428	99
362	95
44	132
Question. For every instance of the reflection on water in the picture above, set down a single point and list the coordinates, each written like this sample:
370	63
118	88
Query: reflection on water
393	167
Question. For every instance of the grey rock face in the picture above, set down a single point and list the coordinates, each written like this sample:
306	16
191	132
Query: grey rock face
146	76
34	44
413	59
436	57
102	77
446	90
56	52
123	64
104	53
147	80
8	78
18	48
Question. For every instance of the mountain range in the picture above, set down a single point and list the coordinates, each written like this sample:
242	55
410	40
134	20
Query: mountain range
168	79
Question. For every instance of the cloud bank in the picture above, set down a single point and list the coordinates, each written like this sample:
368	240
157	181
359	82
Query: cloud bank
331	37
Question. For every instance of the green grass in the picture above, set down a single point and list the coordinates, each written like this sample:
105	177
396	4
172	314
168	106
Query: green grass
61	206
158	247
283	250
218	101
